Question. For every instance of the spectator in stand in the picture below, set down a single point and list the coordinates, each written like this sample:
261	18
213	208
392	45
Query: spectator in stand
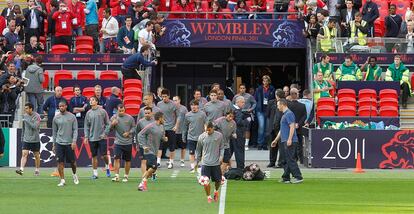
348	71
132	64
2	47
347	15
182	6
241	10
264	93
197	7
33	46
215	11
260	6
145	36
17	57
358	30
51	106
323	18
398	72
9	71
91	26
54	5
392	23
312	30
321	87
410	37
20	21
7	11
78	23
98	94
403	30
11	36
33	25
373	71
109	32
34	89
125	37
326	35
113	101
78	104
8	96
370	14
357	4
325	67
155	4
138	13
63	20
2	24
120	9
281	6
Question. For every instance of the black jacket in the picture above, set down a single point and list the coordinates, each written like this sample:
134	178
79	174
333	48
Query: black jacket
228	93
299	110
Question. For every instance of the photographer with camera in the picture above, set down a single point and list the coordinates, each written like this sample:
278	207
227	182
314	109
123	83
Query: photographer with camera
9	94
34	46
63	20
347	15
132	64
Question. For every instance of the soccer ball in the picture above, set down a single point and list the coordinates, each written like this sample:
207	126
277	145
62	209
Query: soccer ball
254	167
248	176
223	180
204	180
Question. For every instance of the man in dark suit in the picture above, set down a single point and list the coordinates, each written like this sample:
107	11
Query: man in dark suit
228	91
7	11
274	116
342	4
299	110
34	17
346	16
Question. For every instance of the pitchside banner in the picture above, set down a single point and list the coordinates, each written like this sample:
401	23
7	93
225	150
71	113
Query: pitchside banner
83	153
379	149
233	33
5	160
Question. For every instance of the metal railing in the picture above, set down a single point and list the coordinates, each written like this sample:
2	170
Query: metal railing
233	15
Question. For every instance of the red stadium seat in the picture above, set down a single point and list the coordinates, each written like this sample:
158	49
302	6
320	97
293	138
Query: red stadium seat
370	93
367	111
67	93
134	100
45	83
108	75
388	111
324	111
62	75
346	92
346	111
133	83
347	101
367	101
107	92
388	93
60	49
88	92
84	49
326	101
86	75
388	101
133	91
132	109
84	40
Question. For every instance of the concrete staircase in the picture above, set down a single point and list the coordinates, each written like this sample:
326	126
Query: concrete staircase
407	117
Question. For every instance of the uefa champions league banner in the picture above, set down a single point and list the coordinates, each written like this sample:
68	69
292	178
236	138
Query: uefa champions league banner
233	33
5	160
379	148
83	153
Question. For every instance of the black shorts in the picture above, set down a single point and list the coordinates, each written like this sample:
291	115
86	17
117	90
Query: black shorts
141	153
191	146
151	161
34	147
226	156
213	172
98	146
123	151
170	134
179	142
64	153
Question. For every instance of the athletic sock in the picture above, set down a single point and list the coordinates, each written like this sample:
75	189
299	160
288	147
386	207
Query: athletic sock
106	166
95	172
117	175
126	176
62	180
209	197
159	160
21	168
37	169
171	161
246	143
192	165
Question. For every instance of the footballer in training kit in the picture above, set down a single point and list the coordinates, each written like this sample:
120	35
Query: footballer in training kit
227	127
215	108
96	122
148	100
150	138
146	120
124	126
65	134
210	150
178	133
171	112
194	123
30	138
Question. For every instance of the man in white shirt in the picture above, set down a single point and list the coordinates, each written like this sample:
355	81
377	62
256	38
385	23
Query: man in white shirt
145	36
109	31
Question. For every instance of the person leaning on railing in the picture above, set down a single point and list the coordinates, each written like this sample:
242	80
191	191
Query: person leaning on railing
327	35
348	71
398	72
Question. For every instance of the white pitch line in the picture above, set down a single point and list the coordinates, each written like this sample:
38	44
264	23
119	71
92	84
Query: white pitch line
223	198
175	173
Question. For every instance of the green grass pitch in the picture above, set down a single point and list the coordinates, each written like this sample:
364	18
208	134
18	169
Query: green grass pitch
324	191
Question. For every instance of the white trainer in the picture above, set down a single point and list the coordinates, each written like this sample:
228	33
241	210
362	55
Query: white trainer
75	179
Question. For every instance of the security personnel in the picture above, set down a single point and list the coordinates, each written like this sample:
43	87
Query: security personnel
348	71
327	34
398	72
359	30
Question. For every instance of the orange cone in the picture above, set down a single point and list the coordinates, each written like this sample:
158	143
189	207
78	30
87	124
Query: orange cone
358	167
